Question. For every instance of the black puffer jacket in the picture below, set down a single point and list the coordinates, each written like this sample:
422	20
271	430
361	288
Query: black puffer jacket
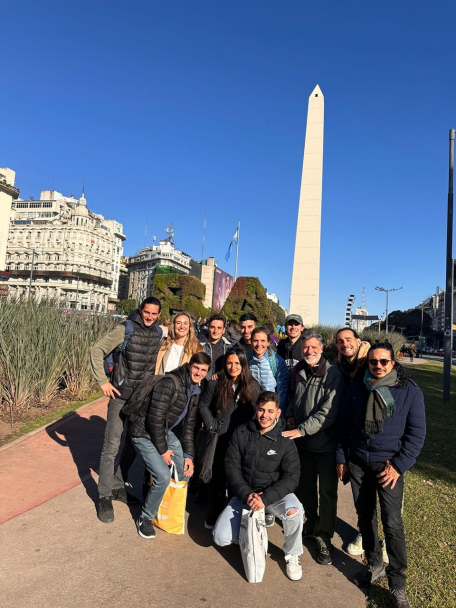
266	463
235	414
161	415
138	358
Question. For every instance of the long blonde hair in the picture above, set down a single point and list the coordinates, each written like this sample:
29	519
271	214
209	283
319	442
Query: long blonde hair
191	345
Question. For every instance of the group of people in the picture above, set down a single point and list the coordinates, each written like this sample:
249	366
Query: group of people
290	424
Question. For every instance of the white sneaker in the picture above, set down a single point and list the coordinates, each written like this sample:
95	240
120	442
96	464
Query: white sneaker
294	570
356	546
384	553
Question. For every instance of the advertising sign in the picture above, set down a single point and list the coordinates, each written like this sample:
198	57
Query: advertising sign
223	284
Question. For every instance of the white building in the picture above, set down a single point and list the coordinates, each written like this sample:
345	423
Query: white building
8	193
142	267
359	325
71	253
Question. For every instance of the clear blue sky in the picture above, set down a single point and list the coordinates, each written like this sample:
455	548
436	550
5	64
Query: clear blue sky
176	109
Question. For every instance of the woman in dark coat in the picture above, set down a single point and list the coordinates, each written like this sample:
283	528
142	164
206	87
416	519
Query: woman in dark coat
226	403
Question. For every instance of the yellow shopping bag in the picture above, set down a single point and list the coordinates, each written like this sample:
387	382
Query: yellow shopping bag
171	512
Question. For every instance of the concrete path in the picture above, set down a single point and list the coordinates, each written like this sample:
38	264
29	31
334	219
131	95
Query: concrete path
55	553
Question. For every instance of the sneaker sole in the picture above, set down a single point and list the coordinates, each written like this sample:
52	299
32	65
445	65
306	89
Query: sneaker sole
324	563
143	535
355	552
294	578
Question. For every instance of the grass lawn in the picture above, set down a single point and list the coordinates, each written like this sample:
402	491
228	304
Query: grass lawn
31	425
430	502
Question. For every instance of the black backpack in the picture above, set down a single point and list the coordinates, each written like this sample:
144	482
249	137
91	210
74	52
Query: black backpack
137	404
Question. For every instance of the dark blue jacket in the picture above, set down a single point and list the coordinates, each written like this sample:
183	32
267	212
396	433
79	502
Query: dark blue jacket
403	434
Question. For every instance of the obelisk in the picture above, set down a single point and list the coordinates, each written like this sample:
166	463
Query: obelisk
305	284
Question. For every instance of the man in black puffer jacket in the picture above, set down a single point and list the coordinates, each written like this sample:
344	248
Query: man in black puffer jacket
166	433
263	471
138	356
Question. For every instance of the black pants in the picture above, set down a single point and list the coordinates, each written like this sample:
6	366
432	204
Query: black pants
366	486
218	483
320	504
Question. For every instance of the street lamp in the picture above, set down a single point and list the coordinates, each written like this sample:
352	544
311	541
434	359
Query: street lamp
387	292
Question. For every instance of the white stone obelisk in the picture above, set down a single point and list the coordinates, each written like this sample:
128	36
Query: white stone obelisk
305	284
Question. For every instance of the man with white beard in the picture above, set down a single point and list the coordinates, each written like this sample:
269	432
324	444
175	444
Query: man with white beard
318	390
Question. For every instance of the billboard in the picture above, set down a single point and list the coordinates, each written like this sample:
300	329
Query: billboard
223	284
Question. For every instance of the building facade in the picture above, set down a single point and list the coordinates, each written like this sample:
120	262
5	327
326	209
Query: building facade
60	249
8	194
160	258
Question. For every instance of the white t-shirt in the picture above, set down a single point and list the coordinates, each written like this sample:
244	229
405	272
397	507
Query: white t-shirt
174	357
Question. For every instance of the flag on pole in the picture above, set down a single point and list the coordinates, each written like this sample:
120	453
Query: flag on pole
234	241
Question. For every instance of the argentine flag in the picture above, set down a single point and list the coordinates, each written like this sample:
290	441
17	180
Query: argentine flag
234	241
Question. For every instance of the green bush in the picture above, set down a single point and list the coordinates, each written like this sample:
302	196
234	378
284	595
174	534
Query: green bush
179	292
43	350
248	295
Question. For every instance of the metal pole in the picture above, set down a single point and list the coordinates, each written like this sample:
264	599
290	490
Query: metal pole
422	315
31	275
237	251
204	238
448	328
386	311
77	292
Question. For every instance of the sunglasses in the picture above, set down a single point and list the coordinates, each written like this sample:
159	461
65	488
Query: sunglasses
383	362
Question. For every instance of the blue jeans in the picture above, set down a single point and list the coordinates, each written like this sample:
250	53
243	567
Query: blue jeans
159	470
227	528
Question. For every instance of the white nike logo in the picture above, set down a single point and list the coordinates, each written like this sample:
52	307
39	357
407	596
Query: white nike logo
271	452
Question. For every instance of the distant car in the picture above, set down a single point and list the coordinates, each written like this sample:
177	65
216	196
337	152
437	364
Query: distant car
439	353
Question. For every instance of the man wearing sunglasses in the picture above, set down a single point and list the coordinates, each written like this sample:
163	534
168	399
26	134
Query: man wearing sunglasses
381	431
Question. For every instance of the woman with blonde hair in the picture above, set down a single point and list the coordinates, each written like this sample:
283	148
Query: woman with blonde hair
180	345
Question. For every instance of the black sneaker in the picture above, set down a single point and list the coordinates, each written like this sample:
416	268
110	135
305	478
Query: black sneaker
369	575
269	520
324	553
105	512
145	528
399	598
122	495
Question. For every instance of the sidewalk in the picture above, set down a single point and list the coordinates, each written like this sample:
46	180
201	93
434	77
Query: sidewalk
55	552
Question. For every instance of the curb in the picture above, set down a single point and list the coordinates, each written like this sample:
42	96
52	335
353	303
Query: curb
56	422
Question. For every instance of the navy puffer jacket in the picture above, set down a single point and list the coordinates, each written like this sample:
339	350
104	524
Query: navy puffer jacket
403	434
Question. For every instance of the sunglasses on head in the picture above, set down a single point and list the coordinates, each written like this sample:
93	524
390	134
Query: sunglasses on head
383	362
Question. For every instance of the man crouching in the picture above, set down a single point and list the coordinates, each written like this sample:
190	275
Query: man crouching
262	469
166	433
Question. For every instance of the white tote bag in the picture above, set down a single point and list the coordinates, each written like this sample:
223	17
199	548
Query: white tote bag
253	540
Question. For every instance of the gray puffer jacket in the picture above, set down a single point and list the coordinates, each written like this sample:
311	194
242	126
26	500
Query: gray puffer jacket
317	396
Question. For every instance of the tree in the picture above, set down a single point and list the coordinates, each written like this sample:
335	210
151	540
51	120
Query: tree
178	292
125	307
410	319
248	295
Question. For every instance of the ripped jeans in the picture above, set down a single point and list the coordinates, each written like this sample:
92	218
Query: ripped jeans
227	528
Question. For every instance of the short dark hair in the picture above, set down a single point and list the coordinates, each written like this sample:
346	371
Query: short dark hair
248	316
200	358
261	330
151	300
216	317
355	333
266	396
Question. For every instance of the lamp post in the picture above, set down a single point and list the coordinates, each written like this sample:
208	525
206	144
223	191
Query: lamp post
448	327
387	292
402	329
